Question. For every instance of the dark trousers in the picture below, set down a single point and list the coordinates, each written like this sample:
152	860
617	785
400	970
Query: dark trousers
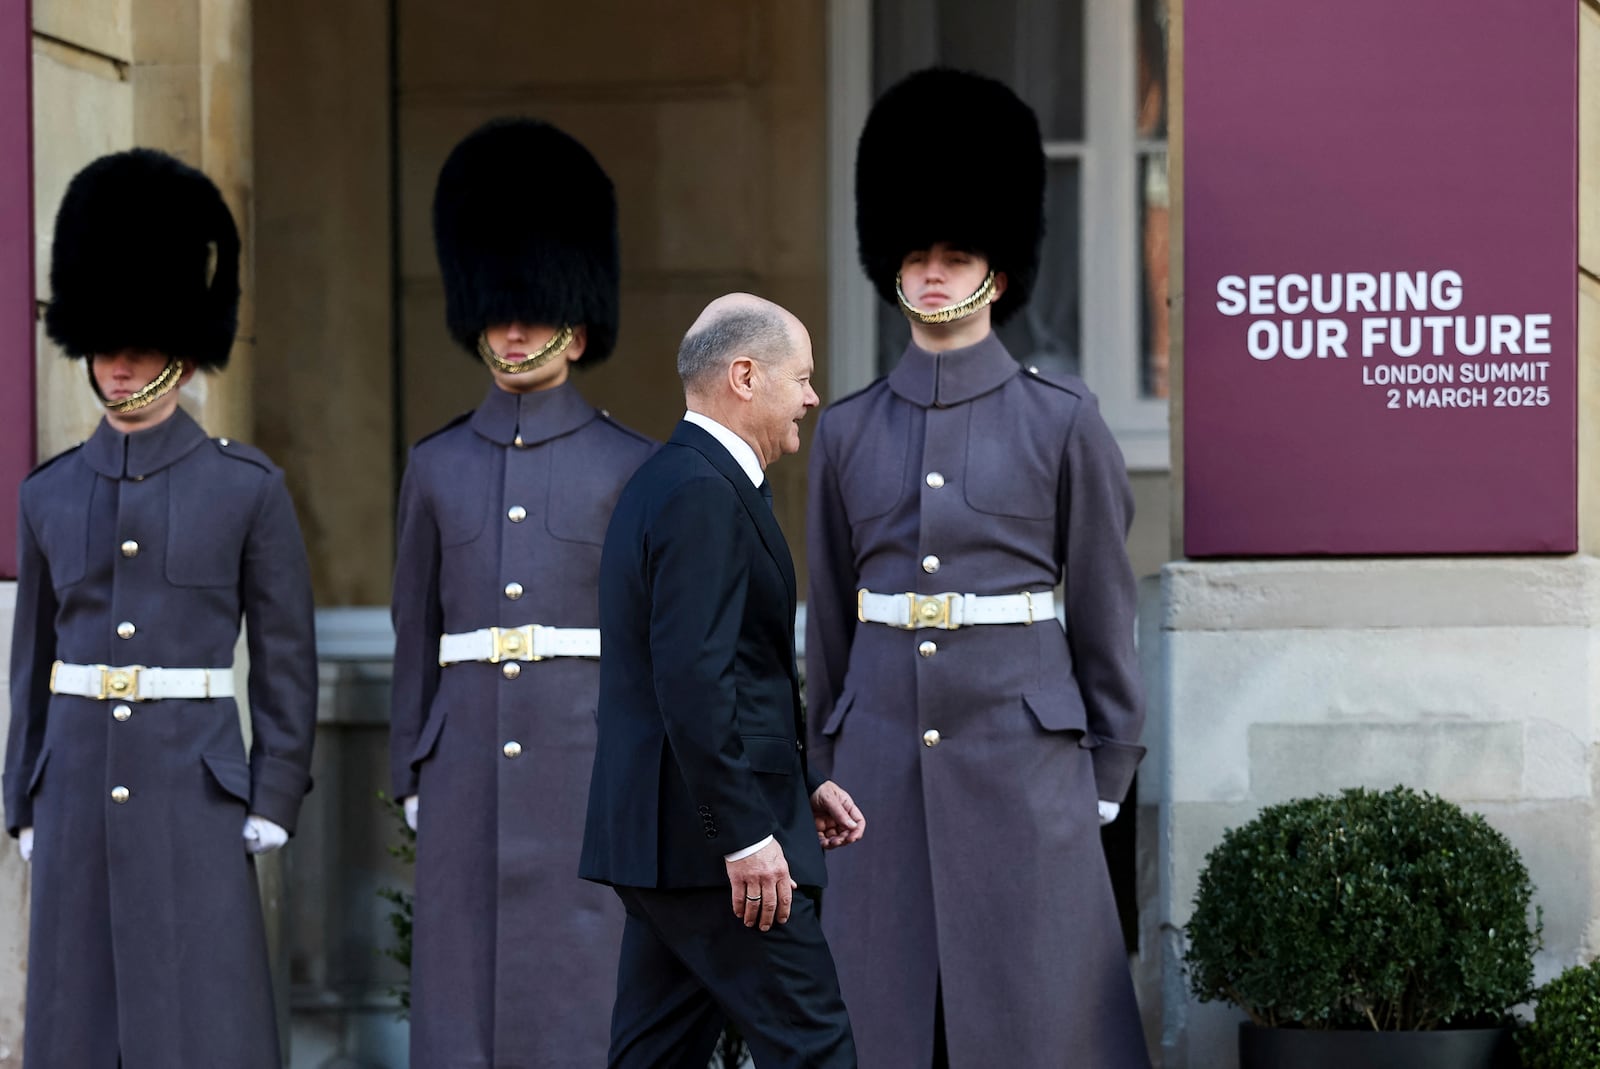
689	965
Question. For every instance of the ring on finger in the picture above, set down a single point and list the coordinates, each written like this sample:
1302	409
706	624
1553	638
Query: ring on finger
752	898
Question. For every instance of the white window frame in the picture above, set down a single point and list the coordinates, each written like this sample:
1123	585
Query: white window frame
1109	181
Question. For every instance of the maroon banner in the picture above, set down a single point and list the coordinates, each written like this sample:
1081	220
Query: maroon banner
1380	259
16	270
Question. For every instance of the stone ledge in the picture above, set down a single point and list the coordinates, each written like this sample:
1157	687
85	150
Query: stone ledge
1369	593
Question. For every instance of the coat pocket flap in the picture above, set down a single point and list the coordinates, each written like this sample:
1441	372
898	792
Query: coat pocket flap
231	774
1057	709
38	770
836	715
429	738
779	756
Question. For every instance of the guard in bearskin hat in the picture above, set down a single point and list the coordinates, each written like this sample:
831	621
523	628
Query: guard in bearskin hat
949	502
126	774
496	672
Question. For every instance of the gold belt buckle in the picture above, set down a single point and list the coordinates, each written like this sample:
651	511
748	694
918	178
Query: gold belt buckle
119	684
513	643
930	610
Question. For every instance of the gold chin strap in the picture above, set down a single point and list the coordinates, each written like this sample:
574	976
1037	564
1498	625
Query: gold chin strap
547	352
157	388
983	295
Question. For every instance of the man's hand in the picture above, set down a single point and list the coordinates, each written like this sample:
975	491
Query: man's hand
25	843
839	822
409	804
762	889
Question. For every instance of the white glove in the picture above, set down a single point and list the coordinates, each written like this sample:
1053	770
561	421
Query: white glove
410	804
1108	812
25	843
262	836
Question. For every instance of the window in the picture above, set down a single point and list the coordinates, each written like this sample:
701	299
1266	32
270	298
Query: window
1094	71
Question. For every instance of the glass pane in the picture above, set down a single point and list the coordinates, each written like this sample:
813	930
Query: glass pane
1154	261
1151	90
1034	46
1047	330
1150	116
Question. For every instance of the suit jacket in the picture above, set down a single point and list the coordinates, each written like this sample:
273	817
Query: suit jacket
700	750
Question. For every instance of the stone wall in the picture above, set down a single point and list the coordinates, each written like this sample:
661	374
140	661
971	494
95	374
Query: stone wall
1476	679
324	397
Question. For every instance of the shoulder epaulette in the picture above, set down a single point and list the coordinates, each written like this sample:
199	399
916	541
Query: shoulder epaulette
232	447
880	380
43	464
1060	380
611	421
448	426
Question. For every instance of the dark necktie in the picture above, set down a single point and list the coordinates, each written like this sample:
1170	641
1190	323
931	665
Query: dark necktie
766	492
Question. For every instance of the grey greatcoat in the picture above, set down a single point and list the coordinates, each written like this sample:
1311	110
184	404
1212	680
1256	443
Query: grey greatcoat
146	946
982	869
514	958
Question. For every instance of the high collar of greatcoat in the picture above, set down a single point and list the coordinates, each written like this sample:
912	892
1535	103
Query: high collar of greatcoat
937	380
538	416
144	452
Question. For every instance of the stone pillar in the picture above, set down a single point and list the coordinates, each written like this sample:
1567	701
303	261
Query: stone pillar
325	401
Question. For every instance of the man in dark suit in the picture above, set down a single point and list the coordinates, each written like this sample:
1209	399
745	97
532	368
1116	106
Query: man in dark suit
700	788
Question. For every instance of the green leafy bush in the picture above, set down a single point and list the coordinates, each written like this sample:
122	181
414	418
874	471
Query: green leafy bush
1384	910
400	917
1565	1034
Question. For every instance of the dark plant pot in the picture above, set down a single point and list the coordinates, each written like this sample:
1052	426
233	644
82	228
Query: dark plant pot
1298	1048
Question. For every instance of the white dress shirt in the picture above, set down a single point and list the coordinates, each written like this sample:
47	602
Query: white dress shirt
740	450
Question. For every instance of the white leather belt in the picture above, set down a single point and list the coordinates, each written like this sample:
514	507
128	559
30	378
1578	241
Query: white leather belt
950	611
531	642
137	683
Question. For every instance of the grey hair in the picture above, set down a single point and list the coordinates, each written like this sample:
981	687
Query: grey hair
761	334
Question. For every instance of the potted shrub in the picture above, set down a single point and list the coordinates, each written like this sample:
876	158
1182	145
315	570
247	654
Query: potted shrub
1565	1033
1368	929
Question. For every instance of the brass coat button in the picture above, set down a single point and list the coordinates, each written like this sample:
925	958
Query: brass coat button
513	591
935	480
928	649
511	669
517	514
125	630
930	737
119	794
130	548
930	564
122	712
517	441
512	749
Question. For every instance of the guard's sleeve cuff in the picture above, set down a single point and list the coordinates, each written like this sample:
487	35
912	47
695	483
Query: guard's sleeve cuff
277	788
1114	766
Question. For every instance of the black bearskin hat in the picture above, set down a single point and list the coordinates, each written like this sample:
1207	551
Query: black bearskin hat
146	256
525	224
981	187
